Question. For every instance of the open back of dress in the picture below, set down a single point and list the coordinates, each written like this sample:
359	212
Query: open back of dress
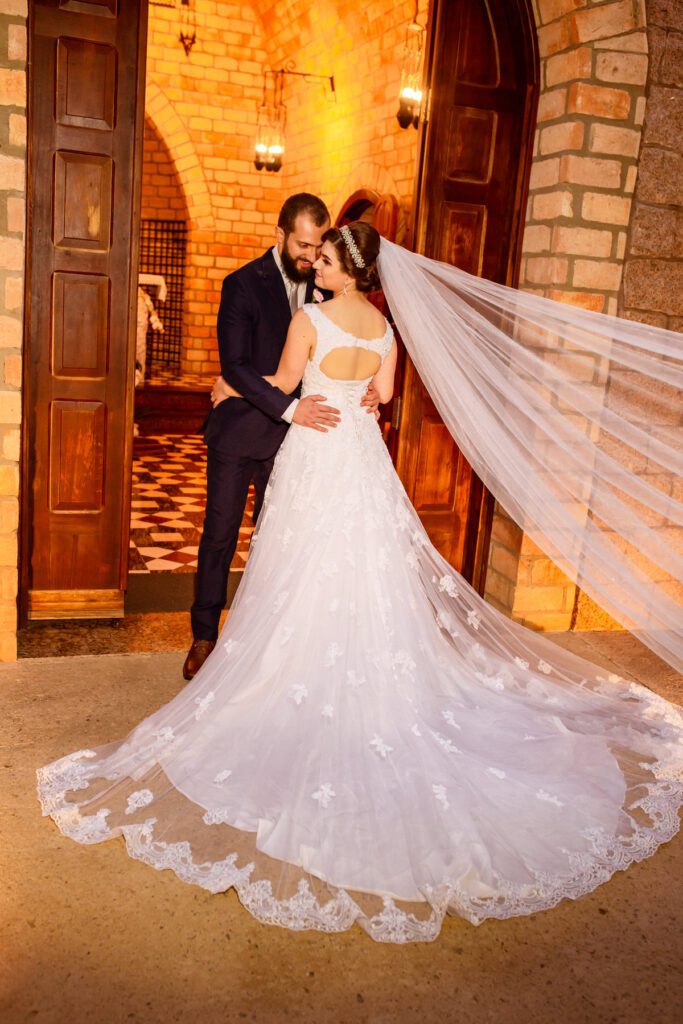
349	358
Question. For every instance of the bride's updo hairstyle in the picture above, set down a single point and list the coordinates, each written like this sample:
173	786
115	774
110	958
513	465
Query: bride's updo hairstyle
366	240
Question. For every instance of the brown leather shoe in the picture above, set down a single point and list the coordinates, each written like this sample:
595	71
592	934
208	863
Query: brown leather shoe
196	656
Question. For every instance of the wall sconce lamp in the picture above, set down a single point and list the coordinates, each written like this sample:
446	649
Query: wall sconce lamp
410	94
188	26
187	20
269	145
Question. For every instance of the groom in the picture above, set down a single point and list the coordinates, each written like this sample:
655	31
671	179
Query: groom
243	435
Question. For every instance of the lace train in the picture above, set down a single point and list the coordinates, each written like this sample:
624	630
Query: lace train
304	910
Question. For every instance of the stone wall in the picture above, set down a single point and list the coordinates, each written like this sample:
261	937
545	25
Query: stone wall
652	284
652	289
594	63
12	257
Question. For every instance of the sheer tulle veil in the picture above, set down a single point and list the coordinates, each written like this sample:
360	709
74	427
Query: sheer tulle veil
573	421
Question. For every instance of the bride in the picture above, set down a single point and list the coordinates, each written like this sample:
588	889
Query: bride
370	741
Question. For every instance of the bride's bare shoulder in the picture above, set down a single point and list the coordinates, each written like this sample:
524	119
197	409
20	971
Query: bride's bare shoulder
362	319
375	321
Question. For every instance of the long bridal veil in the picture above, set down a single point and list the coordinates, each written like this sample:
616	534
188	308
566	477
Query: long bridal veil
573	421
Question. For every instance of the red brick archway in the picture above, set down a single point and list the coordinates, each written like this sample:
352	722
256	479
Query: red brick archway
163	196
182	151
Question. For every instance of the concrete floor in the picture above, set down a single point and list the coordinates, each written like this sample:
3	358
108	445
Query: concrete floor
90	935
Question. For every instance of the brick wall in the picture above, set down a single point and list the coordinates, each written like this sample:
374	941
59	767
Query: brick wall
335	145
12	254
652	284
652	289
594	61
204	108
594	69
162	192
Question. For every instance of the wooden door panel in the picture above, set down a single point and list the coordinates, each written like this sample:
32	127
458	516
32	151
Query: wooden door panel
103	8
476	44
82	201
385	216
86	84
77	445
475	160
435	481
471	145
80	325
464	235
86	124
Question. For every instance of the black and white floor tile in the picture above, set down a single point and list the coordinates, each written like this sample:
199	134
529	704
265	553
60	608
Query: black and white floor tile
169	491
164	375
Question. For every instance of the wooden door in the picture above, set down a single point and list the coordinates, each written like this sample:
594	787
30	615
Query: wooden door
475	156
86	81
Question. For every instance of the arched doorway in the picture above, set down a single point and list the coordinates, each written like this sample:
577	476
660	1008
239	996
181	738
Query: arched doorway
470	200
76	472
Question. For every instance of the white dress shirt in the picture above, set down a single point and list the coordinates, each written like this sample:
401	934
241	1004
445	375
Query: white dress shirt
296	294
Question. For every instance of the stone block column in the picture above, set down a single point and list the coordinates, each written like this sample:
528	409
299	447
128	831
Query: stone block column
653	270
594	67
12	256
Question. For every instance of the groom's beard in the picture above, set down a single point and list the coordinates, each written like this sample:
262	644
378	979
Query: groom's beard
295	270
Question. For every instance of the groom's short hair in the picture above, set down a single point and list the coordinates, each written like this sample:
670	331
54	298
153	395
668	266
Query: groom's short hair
302	202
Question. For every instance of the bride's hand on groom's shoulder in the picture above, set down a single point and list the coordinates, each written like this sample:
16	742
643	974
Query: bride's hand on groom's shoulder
371	400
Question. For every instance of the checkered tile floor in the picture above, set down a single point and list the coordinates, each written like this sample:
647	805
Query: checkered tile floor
193	381
169	490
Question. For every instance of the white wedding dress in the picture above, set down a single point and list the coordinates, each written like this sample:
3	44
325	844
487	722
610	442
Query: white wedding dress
370	741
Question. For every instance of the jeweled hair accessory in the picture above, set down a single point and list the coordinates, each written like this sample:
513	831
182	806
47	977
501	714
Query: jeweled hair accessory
345	232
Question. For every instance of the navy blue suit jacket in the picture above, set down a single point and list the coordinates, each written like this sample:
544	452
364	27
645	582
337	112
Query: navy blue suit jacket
253	320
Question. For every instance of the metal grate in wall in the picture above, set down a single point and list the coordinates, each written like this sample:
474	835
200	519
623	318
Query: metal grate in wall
163	247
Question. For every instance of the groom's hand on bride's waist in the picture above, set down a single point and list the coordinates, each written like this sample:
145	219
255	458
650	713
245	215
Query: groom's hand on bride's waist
310	412
371	400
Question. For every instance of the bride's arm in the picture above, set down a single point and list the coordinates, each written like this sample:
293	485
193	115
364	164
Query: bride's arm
384	378
301	338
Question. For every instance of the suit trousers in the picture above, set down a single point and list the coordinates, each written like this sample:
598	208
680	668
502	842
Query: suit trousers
227	485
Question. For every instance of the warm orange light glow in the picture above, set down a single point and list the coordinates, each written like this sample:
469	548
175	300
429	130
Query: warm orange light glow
410	94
